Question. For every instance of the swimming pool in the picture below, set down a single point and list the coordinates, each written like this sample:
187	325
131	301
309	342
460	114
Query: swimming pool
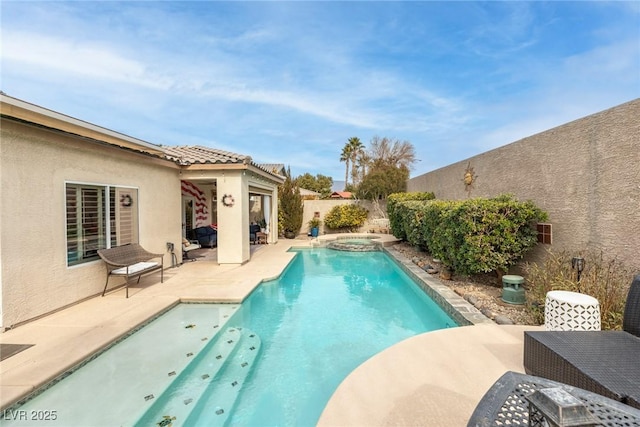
274	360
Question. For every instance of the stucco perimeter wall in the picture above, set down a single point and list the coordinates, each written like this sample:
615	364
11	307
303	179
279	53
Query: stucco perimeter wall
585	174
35	164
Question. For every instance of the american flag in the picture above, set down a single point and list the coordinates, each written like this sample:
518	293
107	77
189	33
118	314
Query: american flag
202	214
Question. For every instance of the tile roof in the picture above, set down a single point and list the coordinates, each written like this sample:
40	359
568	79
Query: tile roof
277	168
341	195
195	154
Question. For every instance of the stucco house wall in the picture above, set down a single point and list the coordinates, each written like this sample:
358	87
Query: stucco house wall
585	174
53	164
36	164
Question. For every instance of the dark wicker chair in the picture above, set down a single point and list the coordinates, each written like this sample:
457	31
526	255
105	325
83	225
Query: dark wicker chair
604	362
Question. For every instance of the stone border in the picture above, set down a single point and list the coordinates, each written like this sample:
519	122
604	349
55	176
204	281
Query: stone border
453	304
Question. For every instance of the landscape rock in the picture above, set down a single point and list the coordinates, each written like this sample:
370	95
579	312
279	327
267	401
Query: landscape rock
486	312
471	300
483	287
503	320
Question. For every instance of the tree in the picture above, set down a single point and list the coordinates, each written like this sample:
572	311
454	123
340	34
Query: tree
355	148
290	206
392	152
363	162
383	180
345	157
320	183
389	162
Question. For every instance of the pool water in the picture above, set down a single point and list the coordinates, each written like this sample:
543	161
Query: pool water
273	361
330	312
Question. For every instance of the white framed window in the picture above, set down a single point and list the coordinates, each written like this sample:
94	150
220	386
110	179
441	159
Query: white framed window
98	217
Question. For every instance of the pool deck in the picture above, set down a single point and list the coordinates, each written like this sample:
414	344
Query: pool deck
395	387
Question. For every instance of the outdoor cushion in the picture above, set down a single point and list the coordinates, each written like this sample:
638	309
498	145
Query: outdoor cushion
135	268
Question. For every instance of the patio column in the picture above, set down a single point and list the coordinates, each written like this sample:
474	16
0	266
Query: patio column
273	223
233	218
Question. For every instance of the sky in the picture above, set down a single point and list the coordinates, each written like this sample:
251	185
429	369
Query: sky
291	82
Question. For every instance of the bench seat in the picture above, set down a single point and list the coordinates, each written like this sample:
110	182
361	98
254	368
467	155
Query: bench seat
130	261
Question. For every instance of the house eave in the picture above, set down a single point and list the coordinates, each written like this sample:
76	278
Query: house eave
27	112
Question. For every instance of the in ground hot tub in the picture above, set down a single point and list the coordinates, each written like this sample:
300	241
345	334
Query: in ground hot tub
355	244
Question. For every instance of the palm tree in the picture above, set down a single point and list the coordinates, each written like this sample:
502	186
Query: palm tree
355	148
345	156
363	161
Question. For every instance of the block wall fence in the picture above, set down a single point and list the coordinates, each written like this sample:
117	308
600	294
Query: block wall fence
585	174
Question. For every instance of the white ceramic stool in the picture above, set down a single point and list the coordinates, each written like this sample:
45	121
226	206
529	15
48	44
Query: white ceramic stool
571	311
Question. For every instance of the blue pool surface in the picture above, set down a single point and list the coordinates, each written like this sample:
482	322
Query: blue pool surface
330	312
273	361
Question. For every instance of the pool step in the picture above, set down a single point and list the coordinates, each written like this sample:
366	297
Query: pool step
217	402
227	361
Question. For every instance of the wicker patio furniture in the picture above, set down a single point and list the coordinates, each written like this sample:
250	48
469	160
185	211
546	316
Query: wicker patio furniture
130	261
188	246
604	362
506	403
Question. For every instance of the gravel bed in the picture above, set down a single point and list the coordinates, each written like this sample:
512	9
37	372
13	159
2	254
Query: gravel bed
481	290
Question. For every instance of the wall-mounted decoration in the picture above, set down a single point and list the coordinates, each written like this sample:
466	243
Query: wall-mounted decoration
126	200
228	200
469	178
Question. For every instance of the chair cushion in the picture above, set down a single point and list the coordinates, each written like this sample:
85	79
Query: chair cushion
135	268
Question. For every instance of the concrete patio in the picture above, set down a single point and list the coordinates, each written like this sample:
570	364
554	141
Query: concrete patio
432	379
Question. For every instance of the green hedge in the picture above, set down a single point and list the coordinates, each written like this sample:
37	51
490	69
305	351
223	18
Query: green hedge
398	210
471	236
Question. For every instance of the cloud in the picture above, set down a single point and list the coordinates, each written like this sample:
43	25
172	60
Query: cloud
75	58
294	80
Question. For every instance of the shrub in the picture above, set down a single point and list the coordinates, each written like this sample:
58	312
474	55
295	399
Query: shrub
396	210
471	236
492	234
605	279
348	216
314	223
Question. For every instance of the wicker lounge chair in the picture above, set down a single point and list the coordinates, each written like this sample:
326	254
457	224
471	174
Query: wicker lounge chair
604	362
130	261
